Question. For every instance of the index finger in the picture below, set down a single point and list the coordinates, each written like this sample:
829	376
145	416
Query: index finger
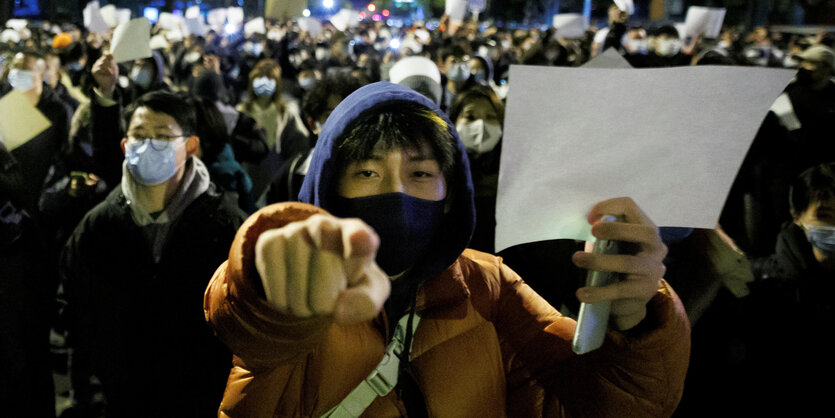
619	206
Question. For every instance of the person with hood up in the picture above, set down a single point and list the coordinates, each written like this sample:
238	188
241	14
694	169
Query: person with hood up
313	297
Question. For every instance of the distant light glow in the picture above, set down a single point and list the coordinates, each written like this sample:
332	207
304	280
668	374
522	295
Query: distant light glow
371	7
394	44
151	13
377	17
230	28
306	12
328	4
386	12
362	15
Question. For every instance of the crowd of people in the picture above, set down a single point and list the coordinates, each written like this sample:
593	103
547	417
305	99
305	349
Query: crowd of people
114	220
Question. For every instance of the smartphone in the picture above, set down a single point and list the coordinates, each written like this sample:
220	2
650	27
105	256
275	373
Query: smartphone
593	319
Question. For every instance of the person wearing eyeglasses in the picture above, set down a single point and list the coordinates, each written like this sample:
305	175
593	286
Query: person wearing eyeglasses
136	267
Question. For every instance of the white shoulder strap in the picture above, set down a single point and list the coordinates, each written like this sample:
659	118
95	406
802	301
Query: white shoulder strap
381	380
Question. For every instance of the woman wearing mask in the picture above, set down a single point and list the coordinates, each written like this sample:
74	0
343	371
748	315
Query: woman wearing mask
279	118
479	119
479	116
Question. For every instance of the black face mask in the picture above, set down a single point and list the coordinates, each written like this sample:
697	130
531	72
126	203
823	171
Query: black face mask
804	77
406	225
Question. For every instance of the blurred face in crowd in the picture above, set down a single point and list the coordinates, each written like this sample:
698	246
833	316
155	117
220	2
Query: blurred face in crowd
142	73
818	221
53	70
667	45
26	74
478	69
617	15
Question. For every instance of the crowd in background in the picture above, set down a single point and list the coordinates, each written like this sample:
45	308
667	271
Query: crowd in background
756	288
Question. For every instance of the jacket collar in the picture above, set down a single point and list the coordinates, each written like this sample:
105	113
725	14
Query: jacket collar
445	289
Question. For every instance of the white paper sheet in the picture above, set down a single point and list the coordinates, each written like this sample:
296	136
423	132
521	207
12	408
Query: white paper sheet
109	15
216	18
570	25
235	15
169	21
20	120
705	21
311	25
672	139
18	24
194	26
345	19
456	9
610	58
627	6
193	12
123	15
93	20
256	25
131	40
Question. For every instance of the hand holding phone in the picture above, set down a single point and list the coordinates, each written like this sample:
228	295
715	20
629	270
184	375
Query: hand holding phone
593	319
633	270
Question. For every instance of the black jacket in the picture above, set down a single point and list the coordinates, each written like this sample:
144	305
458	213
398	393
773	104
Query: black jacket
140	323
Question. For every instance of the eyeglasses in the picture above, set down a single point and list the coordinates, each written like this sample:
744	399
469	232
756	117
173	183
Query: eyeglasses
157	142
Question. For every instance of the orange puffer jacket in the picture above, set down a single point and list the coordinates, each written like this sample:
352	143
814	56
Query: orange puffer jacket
487	345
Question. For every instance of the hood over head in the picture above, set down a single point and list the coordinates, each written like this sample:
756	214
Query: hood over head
319	187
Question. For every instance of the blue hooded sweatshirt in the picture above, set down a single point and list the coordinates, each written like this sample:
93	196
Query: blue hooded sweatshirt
319	187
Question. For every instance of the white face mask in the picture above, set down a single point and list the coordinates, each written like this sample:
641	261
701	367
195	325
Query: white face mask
21	80
480	136
636	46
192	57
668	47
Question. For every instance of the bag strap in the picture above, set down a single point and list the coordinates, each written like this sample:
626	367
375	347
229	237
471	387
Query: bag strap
381	380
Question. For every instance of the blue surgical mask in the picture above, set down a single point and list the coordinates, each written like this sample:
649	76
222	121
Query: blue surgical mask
821	237
405	224
152	161
141	76
459	72
21	80
263	86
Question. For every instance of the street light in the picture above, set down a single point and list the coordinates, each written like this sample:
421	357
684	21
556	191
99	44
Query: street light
328	4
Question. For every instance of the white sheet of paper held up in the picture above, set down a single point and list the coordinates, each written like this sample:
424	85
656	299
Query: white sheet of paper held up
20	120
705	21
131	40
456	9
570	25
673	139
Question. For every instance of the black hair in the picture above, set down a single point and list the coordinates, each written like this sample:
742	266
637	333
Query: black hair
666	30
172	104
815	184
210	128
476	91
209	85
399	124
315	100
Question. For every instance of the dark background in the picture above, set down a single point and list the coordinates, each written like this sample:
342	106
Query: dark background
745	13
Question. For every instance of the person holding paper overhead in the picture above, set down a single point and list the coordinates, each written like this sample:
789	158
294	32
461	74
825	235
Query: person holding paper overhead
369	303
